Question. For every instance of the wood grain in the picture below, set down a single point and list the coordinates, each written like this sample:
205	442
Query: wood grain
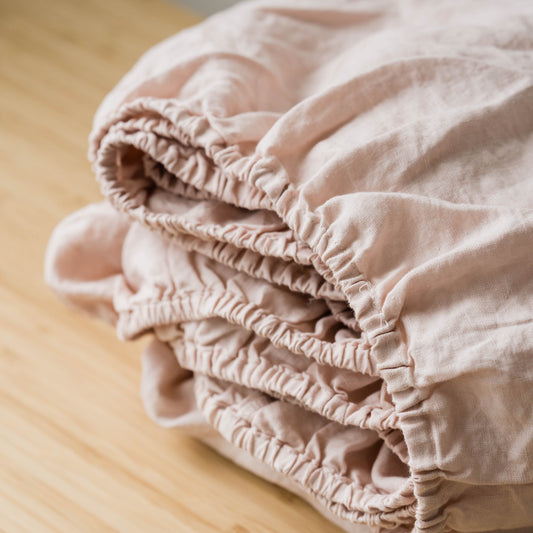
77	452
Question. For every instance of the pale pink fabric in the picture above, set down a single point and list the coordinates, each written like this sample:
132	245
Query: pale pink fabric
324	213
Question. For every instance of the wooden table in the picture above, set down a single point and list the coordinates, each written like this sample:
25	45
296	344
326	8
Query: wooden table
77	452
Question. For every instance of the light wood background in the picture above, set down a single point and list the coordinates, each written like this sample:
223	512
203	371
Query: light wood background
77	452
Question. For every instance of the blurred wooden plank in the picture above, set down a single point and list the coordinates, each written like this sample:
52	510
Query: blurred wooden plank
77	452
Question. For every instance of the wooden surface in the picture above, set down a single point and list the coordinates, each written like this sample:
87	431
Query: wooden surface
77	452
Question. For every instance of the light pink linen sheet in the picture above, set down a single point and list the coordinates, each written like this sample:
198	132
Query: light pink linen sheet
323	212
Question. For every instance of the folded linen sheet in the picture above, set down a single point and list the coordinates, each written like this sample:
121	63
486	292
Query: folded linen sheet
323	212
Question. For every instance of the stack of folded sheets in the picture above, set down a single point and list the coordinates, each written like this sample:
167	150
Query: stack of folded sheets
323	211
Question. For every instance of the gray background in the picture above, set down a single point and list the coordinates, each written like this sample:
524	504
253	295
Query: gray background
205	7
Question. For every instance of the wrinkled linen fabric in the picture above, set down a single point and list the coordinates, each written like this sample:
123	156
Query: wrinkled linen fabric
323	213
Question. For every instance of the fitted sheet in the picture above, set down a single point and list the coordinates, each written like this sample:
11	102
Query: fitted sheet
322	214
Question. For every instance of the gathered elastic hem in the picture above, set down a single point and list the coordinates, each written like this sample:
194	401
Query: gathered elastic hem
283	382
261	181
351	354
337	492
